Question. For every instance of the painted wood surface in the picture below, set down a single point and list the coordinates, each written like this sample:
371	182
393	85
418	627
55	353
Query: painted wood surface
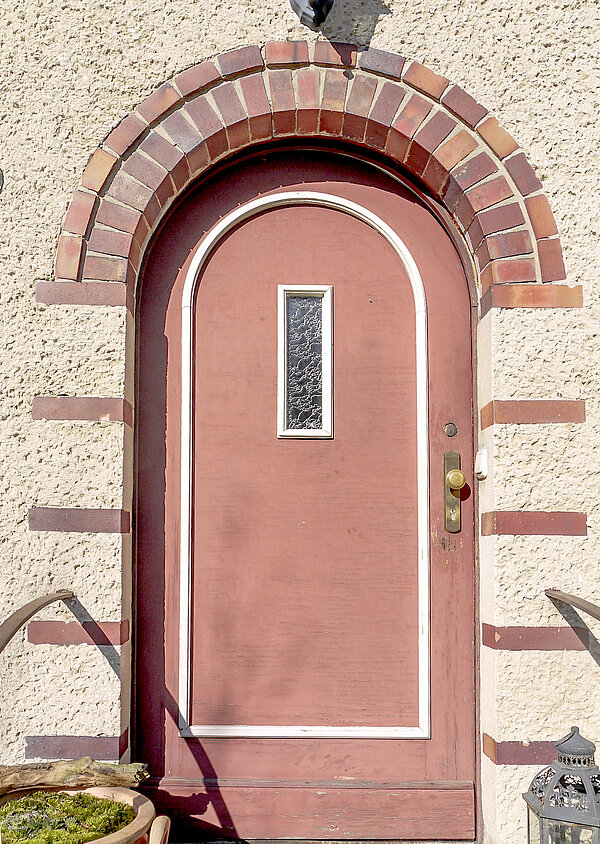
304	581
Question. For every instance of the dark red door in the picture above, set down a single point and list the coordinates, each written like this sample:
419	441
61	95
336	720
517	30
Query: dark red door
305	623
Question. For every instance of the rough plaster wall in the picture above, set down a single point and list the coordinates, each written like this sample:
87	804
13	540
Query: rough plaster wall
69	70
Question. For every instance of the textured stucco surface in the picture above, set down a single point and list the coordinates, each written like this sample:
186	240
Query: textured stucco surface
68	72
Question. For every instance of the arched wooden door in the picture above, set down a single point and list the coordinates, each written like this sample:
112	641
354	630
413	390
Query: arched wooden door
305	624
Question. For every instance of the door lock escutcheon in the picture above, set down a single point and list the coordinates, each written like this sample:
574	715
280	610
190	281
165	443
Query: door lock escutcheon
454	481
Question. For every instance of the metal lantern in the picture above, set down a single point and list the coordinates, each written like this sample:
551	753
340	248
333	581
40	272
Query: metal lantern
564	799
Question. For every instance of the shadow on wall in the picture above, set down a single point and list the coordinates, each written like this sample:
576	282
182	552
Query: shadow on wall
354	21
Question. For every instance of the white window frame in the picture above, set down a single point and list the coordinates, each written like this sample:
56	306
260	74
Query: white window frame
325	292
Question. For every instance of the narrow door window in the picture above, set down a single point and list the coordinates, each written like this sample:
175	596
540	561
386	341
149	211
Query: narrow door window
305	362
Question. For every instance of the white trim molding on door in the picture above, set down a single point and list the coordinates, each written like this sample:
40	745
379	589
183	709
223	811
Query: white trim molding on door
225	225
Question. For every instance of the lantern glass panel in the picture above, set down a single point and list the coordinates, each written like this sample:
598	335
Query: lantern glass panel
533	826
566	833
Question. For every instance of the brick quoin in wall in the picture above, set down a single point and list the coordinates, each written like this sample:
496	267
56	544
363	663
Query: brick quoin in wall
250	96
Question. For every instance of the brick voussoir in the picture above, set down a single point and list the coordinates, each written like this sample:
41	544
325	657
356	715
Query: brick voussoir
99	169
241	60
125	134
286	53
382	63
69	255
425	80
257	106
333	101
197	79
334	54
357	108
283	101
464	106
164	99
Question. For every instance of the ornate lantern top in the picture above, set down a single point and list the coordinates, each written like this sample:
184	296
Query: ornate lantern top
569	789
575	751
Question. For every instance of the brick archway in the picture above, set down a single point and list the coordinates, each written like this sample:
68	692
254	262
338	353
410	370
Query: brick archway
377	100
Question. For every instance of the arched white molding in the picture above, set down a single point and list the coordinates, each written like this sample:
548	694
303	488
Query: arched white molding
225	225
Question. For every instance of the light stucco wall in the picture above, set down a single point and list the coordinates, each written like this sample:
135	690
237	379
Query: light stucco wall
69	71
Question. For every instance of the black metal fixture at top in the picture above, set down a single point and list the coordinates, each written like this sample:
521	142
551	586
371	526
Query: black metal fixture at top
312	13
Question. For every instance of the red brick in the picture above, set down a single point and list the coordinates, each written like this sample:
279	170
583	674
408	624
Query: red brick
80	212
124	219
486	194
382	63
112	242
508	271
405	125
239	61
68	256
233	114
551	260
477	168
209	125
508	244
125	134
425	80
482	255
454	150
452	193
527	412
475	233
286	53
531	296
534	639
283	101
427	139
382	114
168	156
258	108
498	219
435	176
524	523
335	54
187	137
465	214
98	169
158	103
82	407
196	79
308	82
76	633
359	102
464	106
523	174
150	174
79	520
104	268
445	158
497	138
103	293
541	217
130	193
332	105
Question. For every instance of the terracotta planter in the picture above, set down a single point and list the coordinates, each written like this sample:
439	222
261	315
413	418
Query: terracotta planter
145	827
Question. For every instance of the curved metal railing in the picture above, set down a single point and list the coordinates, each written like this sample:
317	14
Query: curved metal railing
574	601
15	621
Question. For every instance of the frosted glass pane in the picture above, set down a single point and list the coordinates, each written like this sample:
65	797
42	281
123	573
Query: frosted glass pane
304	362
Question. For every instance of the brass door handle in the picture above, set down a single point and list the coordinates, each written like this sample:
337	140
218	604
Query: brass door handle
454	481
